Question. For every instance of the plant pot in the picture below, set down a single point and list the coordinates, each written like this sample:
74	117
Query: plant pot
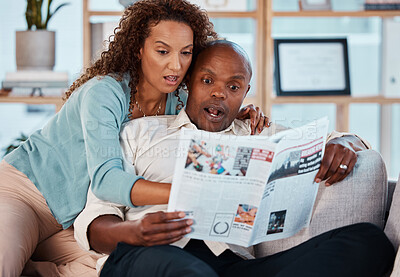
35	50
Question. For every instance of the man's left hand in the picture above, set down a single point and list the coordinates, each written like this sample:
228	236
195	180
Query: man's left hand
339	160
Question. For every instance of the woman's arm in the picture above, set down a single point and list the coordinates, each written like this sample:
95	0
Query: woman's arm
103	110
158	228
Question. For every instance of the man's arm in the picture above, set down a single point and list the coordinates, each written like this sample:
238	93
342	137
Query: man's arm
158	228
146	192
101	225
339	158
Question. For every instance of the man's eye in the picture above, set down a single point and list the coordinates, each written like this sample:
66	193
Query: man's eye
162	52
206	81
233	87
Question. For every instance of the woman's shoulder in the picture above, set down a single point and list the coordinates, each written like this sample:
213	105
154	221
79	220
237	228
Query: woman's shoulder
103	81
103	94
105	86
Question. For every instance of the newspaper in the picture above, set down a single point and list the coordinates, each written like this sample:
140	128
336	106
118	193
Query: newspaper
246	190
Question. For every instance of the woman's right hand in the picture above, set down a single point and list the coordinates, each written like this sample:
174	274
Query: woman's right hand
157	228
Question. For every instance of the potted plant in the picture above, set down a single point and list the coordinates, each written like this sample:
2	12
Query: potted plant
35	48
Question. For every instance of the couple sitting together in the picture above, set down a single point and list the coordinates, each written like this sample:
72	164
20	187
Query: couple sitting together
218	84
103	137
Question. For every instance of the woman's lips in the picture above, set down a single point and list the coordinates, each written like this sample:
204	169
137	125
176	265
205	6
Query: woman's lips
171	80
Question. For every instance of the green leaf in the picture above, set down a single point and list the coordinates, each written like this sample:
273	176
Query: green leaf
29	14
49	14
38	14
34	16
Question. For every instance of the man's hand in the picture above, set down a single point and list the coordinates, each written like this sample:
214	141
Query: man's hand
158	228
339	159
257	118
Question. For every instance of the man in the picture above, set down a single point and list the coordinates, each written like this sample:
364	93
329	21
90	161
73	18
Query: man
217	87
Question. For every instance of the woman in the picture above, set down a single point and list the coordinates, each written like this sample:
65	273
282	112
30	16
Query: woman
44	183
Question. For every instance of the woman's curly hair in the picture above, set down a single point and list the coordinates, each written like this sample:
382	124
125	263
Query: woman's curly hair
122	55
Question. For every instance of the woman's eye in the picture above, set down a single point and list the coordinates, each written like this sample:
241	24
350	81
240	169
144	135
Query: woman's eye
206	81
162	52
187	53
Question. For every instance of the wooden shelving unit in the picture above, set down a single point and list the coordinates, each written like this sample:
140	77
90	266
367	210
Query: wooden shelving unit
258	15
31	100
34	100
342	103
335	99
264	97
382	14
87	14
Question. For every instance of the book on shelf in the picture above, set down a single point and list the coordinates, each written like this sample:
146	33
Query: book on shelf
371	5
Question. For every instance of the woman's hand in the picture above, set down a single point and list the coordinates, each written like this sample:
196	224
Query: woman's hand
158	228
257	118
339	159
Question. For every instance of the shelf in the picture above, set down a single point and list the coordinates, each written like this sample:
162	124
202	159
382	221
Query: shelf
210	14
337	13
334	99
105	13
33	100
264	16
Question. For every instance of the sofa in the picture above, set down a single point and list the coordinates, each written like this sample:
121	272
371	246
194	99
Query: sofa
364	196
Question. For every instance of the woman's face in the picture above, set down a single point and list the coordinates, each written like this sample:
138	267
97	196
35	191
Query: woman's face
165	56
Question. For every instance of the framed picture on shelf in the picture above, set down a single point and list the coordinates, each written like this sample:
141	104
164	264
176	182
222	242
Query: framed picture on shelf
311	67
315	5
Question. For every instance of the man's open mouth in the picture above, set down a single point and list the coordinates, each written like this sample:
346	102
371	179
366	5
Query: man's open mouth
214	113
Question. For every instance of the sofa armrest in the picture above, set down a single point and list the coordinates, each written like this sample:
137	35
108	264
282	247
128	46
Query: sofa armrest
360	197
392	228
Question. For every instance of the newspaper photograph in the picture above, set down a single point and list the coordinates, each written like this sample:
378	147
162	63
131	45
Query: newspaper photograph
245	190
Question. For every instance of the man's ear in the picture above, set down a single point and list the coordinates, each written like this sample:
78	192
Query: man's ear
248	88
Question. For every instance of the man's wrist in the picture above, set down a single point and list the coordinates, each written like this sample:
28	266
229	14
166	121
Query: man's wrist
349	141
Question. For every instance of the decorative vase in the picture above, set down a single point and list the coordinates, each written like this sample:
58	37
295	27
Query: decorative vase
35	50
